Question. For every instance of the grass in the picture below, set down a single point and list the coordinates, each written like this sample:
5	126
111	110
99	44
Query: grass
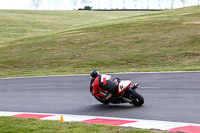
17	24
56	42
22	125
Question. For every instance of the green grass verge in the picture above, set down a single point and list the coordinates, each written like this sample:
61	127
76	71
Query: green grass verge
22	125
56	42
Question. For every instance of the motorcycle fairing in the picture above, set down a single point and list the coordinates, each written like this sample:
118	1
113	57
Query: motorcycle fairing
123	85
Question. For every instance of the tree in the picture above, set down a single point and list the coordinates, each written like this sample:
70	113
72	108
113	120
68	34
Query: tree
124	2
86	2
183	1
135	3
159	3
74	2
172	4
36	3
147	4
99	3
111	4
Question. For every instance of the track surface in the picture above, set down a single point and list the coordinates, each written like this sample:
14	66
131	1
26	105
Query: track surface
168	96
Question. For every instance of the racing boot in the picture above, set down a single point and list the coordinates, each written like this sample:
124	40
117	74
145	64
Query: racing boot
107	97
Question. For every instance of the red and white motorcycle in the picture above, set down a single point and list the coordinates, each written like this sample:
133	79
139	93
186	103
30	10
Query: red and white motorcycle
126	94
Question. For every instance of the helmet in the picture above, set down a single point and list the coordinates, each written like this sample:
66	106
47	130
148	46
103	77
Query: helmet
94	74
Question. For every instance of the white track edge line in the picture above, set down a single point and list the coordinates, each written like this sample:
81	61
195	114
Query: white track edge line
75	75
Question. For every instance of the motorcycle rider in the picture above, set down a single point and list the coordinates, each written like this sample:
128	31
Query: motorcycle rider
102	82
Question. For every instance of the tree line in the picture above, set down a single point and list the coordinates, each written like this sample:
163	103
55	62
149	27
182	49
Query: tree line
37	3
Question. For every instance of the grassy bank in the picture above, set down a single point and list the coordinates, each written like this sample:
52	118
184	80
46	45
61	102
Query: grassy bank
59	43
21	125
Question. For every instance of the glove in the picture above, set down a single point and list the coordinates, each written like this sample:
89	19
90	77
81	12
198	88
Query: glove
91	89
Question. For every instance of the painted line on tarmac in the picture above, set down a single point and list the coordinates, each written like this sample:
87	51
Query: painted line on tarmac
114	121
48	76
77	75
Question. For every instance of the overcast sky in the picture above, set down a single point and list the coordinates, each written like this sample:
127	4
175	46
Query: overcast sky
103	4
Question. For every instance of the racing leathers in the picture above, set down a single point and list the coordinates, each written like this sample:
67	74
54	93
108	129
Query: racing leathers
103	82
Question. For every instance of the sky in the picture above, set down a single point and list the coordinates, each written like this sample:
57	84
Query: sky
96	4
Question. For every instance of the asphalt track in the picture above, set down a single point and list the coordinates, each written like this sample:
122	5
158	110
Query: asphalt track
170	96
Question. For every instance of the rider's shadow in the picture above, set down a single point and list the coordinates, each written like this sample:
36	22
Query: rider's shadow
111	107
110	110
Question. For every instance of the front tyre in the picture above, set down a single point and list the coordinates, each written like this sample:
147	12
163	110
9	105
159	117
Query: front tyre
136	98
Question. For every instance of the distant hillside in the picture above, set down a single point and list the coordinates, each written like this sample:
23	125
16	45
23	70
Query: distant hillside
74	42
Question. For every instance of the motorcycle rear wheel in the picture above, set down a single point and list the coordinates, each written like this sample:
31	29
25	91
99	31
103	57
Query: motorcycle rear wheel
137	99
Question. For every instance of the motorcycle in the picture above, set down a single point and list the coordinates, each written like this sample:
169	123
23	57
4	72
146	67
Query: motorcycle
125	94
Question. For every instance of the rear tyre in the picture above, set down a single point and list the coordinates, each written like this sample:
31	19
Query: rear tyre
137	99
